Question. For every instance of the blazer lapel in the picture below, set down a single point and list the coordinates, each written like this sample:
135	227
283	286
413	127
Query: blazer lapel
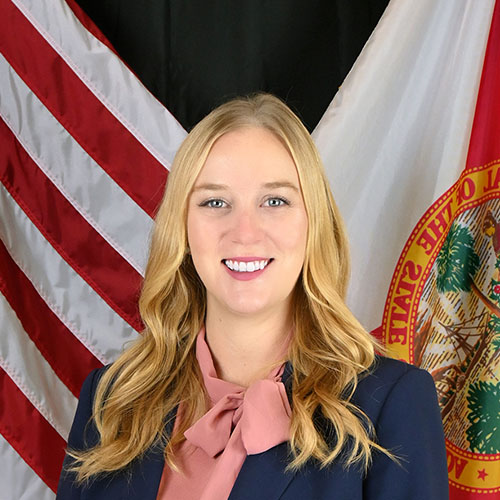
144	480
263	475
145	476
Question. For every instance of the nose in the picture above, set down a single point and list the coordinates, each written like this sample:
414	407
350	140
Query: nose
246	227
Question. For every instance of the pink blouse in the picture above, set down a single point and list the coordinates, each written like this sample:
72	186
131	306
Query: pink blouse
240	422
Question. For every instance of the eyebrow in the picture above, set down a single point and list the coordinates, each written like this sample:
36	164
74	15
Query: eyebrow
281	184
210	187
267	185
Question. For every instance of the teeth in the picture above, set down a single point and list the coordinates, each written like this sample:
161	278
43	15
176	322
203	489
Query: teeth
246	267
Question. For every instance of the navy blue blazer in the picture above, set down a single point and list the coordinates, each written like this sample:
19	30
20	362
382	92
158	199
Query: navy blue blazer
401	402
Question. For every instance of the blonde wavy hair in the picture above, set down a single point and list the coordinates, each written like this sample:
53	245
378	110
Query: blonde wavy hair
328	352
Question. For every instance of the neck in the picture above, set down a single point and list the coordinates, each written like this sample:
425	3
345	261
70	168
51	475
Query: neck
244	349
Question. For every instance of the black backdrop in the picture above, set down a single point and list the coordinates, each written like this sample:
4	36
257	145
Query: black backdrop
195	54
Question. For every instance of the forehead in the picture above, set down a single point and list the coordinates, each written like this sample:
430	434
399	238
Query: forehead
248	154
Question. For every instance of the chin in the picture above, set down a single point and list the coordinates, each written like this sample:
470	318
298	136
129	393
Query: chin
247	307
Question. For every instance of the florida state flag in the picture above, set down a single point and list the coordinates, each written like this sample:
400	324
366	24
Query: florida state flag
443	308
411	143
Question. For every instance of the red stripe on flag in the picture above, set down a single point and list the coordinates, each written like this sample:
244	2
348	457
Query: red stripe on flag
77	242
30	434
56	343
485	137
114	148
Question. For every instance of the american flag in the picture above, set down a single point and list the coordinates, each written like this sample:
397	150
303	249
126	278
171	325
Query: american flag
85	151
85	157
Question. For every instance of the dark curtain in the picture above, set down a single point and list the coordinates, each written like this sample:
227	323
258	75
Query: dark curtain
193	55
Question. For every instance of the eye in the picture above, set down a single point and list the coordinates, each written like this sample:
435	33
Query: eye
276	201
214	203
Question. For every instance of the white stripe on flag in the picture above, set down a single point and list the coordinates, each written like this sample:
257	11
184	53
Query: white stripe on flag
18	481
72	300
107	77
395	136
26	366
122	223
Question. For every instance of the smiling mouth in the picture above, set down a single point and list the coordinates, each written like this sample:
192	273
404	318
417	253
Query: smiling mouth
246	267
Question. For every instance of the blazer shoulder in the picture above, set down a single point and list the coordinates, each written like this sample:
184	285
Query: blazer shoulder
82	434
90	383
402	404
378	383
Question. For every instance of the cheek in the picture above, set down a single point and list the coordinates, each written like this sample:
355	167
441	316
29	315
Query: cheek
203	240
293	238
196	241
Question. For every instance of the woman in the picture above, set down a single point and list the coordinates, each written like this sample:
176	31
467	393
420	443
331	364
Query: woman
252	379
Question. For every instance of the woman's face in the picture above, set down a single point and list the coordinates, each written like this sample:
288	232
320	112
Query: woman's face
247	224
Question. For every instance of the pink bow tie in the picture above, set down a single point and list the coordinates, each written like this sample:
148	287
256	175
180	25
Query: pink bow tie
260	414
242	422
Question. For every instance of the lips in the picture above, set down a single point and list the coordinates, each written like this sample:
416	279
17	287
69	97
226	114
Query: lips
246	266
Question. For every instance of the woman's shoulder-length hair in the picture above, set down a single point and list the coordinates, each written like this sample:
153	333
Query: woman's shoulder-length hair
328	349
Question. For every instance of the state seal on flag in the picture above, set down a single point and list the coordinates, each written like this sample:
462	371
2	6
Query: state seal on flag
442	313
